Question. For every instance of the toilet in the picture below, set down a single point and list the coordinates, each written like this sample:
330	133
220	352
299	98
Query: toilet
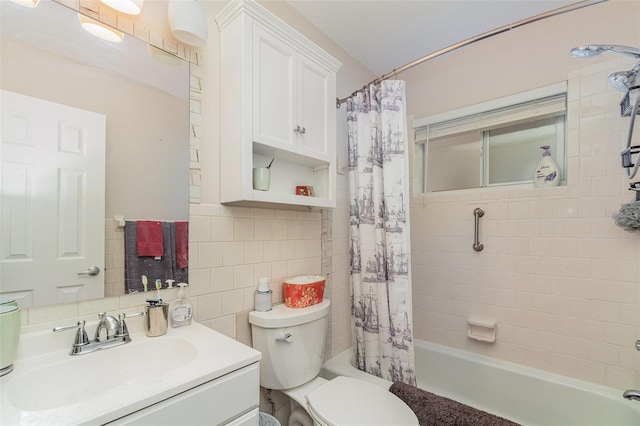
292	344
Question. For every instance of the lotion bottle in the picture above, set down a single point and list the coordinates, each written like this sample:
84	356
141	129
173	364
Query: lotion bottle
181	309
547	172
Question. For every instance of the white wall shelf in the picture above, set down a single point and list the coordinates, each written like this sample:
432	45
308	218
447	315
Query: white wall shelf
278	93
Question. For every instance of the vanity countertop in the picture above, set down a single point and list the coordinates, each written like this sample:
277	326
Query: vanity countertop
50	387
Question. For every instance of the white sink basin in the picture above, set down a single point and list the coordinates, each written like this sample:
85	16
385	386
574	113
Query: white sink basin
50	387
108	370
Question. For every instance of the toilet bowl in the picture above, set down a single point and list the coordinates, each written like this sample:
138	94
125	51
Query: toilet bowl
292	344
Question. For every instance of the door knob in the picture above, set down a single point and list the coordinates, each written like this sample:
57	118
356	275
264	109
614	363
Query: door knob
94	270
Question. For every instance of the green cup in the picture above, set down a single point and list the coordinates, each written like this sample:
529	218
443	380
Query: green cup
261	178
9	336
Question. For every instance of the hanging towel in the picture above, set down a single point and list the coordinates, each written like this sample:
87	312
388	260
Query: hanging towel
153	268
149	238
182	244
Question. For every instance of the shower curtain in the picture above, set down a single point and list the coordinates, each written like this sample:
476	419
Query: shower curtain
379	226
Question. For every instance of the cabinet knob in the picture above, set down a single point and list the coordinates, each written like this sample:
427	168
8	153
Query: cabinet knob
300	130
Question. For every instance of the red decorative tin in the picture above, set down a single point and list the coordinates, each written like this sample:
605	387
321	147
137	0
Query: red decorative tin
303	291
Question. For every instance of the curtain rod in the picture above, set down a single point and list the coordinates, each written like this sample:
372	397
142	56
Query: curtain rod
467	42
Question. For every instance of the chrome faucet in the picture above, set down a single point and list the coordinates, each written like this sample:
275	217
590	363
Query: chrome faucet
108	327
632	394
110	332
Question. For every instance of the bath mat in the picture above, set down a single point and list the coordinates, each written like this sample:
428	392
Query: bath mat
434	410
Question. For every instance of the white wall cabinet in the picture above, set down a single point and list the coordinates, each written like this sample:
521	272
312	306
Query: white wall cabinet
278	101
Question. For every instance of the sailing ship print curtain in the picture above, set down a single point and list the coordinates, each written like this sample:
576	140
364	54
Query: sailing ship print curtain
379	249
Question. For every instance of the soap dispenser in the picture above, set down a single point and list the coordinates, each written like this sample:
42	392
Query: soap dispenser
547	172
181	308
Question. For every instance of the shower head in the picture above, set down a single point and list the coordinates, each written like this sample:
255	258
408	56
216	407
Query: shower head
592	50
624	80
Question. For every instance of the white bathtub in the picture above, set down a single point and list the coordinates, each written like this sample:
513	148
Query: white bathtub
524	395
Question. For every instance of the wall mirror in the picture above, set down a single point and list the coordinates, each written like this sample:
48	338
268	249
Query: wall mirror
139	98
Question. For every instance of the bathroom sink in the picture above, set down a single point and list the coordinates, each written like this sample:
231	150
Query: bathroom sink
102	372
50	387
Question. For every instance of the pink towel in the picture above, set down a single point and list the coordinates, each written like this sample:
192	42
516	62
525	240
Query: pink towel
182	244
149	238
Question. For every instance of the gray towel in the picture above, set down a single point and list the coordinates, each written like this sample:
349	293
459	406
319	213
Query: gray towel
164	268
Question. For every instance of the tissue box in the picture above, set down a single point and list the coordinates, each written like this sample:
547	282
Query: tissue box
303	291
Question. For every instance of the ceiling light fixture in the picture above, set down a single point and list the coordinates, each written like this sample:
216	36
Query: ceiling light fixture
130	7
188	22
27	3
100	30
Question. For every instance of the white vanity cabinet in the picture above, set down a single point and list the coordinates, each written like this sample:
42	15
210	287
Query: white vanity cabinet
189	376
278	101
229	400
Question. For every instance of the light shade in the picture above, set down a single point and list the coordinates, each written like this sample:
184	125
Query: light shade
100	30
130	7
188	22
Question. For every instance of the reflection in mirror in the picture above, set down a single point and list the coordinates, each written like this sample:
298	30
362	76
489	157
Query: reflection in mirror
91	130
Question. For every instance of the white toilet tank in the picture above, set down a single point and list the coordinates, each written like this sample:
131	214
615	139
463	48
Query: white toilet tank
292	343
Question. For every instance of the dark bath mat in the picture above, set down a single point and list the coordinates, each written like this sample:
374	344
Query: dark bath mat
434	410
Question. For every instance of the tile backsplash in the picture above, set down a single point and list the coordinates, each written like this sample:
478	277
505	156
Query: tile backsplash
229	249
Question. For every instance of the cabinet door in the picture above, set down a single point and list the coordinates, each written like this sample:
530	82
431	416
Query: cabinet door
232	396
274	91
315	104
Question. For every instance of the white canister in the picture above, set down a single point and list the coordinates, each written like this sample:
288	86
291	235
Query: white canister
263	296
261	178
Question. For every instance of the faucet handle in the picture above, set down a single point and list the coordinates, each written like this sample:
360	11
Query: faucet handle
123	325
81	338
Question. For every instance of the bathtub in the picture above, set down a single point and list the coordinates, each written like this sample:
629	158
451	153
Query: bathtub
524	395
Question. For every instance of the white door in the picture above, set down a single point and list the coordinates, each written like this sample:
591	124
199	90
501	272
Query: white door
52	201
274	91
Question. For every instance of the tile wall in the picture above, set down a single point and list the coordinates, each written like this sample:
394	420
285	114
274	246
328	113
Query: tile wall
229	249
559	278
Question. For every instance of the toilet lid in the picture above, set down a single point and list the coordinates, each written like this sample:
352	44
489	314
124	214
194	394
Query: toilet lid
348	401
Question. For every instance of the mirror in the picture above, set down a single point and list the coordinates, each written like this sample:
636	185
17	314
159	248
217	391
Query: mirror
142	95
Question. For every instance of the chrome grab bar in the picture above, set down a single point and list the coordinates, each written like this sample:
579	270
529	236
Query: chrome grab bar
478	213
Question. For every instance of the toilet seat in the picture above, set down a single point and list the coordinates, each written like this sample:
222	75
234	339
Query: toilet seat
345	401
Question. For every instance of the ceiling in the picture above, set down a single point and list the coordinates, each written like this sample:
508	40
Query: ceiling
384	35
